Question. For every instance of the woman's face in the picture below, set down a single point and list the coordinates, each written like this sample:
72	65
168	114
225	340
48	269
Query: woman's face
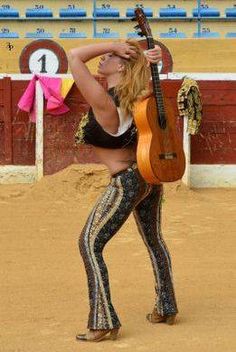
109	64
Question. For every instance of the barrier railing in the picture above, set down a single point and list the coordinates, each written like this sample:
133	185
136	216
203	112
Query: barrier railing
203	175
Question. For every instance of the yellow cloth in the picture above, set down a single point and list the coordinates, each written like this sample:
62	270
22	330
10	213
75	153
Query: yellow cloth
66	84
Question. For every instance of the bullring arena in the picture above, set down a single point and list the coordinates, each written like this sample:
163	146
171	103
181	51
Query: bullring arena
48	184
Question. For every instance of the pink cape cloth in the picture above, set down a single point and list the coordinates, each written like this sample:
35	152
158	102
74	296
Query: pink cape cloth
51	87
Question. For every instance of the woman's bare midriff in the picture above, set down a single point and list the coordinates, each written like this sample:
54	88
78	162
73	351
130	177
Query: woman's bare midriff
116	159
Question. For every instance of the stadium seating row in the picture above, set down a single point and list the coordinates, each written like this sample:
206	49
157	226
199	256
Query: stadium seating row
73	35
41	11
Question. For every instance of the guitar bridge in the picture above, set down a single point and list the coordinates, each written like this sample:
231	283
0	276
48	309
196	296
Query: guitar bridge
167	156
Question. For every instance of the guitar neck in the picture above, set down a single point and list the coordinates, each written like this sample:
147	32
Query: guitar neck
156	80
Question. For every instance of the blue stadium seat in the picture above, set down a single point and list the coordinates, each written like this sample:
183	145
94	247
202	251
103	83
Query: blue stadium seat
42	35
9	35
230	35
68	35
206	35
72	12
8	12
173	35
147	11
230	12
133	35
106	12
206	12
172	12
107	35
35	12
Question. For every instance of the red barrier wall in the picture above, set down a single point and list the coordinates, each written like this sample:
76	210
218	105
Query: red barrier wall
215	144
216	141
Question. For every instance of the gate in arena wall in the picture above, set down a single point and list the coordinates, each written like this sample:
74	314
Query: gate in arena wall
17	152
28	150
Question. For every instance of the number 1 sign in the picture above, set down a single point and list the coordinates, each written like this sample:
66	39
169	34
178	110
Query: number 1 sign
43	56
43	61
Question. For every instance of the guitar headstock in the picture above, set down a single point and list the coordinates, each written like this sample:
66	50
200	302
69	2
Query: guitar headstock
142	22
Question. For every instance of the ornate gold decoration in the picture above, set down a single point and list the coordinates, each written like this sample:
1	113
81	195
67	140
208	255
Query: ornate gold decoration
190	105
79	135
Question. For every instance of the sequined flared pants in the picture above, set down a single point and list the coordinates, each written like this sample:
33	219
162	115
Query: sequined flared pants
127	192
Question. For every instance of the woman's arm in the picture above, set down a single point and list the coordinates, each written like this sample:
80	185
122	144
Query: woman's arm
89	87
96	96
88	52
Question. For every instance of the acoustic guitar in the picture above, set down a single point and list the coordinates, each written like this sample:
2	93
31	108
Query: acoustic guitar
160	155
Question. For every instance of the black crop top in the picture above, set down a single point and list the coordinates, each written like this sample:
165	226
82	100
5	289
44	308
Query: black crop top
91	132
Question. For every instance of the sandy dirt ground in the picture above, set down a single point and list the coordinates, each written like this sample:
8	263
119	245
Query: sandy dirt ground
43	298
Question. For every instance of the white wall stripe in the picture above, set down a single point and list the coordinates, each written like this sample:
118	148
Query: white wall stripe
39	130
187	151
212	76
11	174
204	176
200	76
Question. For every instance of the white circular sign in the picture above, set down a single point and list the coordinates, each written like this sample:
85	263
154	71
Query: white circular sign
43	61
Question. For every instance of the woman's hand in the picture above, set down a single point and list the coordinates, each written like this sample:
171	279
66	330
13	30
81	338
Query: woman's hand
124	50
154	55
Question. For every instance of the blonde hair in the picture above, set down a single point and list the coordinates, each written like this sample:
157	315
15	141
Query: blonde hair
134	82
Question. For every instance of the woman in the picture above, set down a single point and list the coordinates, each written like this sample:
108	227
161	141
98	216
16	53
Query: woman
110	128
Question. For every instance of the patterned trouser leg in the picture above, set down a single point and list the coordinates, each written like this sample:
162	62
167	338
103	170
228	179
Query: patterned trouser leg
148	218
121	196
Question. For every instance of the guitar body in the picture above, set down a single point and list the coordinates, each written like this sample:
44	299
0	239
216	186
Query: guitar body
160	156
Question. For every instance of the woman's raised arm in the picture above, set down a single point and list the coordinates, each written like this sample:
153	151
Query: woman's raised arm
96	96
